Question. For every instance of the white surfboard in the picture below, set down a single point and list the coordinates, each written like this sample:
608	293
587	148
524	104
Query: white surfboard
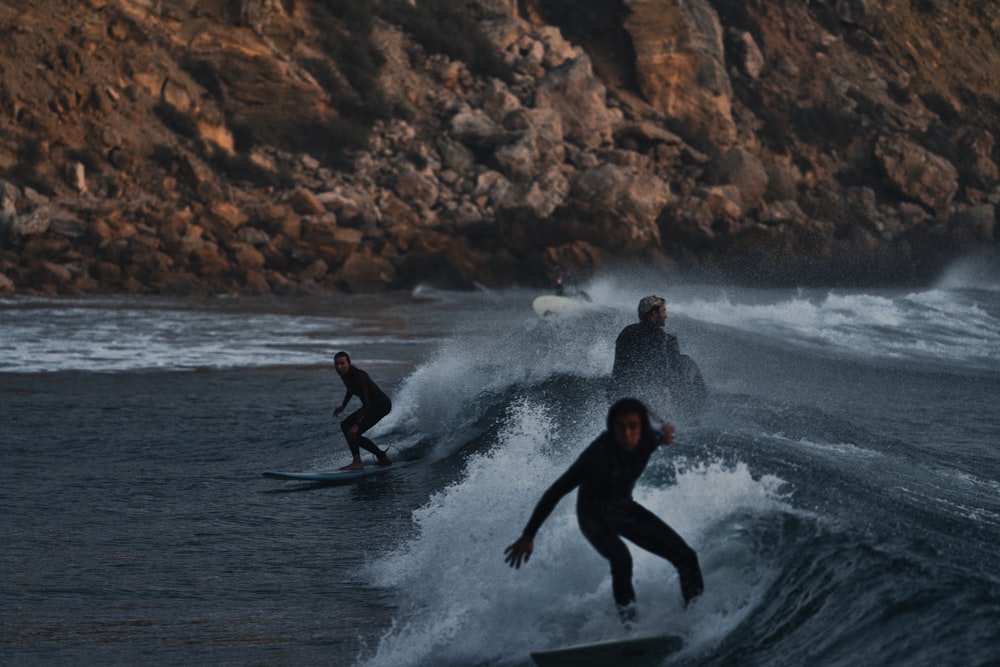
328	476
647	651
553	304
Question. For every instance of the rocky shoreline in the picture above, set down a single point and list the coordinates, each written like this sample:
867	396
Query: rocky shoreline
765	143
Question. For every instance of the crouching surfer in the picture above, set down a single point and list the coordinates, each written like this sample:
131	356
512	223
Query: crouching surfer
606	473
374	406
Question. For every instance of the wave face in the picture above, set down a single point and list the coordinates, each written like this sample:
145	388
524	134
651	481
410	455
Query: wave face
842	488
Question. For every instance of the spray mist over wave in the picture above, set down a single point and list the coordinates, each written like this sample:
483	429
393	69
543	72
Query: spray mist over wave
935	325
459	603
447	399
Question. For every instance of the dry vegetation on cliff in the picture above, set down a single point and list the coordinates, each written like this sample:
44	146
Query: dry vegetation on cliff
252	146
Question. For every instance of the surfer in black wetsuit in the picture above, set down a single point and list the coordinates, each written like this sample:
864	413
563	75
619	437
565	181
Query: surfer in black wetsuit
374	406
605	473
649	365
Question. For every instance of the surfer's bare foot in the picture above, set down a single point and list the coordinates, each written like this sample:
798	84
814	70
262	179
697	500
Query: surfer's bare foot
384	461
353	466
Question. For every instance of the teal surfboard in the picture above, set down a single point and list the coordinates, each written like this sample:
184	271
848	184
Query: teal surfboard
328	476
648	651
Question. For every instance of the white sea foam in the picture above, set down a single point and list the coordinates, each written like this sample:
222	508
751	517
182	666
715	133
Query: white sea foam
459	603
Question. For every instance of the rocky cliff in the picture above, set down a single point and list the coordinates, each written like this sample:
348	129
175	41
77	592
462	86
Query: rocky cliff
255	146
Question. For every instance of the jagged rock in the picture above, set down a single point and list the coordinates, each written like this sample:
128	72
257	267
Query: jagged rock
854	12
974	147
744	171
411	185
394	210
747	53
780	213
634	199
31	223
499	101
726	204
304	202
579	98
475	129
76	176
315	271
364	272
253	236
535	148
680	66
454	155
248	257
352	207
206	259
108	273
54	274
557	49
688	222
917	173
7	286
228	213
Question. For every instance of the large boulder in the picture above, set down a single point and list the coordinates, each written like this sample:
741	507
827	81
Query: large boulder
363	272
917	173
578	97
536	143
741	169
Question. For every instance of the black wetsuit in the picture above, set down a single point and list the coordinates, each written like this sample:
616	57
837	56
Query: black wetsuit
606	512
647	359
374	406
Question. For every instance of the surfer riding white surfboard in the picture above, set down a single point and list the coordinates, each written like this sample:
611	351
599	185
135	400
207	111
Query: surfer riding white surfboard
568	297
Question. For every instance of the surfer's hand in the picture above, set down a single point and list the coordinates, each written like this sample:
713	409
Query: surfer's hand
337	410
667	434
519	552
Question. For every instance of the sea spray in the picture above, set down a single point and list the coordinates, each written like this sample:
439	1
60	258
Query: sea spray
458	602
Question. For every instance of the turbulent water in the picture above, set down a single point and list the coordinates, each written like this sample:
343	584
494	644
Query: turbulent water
842	489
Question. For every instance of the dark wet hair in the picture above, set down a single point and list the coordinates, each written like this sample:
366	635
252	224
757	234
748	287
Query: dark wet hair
630	406
344	355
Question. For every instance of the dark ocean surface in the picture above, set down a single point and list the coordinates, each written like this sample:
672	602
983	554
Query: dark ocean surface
842	489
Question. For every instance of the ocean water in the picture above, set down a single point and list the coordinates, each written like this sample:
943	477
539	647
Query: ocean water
842	489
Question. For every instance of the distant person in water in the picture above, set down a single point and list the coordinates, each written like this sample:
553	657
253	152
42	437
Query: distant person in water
606	473
567	284
374	406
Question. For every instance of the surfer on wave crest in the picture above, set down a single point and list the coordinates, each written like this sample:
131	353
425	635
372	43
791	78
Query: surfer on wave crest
606	473
374	406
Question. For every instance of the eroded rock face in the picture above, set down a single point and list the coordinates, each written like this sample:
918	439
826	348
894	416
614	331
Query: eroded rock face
229	147
680	67
572	91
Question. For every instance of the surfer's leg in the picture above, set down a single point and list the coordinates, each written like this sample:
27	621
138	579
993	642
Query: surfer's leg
368	445
376	415
646	530
599	533
352	442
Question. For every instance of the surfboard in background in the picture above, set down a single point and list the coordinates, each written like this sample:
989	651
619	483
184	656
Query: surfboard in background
553	304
